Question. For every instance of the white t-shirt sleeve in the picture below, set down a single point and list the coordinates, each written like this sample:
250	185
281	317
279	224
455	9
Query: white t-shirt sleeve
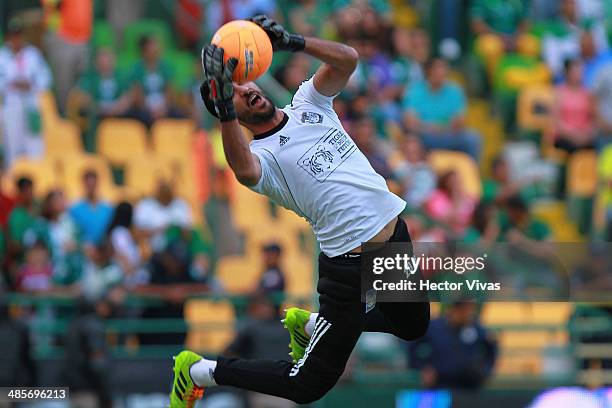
308	94
268	183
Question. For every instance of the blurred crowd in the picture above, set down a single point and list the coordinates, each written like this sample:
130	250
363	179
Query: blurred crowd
421	63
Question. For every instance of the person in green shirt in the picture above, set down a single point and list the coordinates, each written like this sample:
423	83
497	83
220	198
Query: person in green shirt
501	26
506	18
151	83
500	185
530	255
103	88
25	227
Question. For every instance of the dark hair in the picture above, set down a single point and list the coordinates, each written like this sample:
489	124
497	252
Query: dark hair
90	173
569	63
431	61
516	202
497	160
144	41
480	218
23	183
443	179
122	216
46	211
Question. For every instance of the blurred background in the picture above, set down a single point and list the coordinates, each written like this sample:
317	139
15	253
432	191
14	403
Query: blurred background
125	237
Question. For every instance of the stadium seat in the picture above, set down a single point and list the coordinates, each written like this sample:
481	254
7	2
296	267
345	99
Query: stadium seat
500	313
249	209
211	325
43	173
299	275
142	173
75	165
173	138
535	105
48	109
62	138
291	220
549	312
582	174
463	164
238	274
121	139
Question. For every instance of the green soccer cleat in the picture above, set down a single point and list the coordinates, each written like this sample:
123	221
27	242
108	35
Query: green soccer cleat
184	392
295	322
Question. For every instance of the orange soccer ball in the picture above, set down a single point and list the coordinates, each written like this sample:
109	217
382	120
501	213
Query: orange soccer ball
247	42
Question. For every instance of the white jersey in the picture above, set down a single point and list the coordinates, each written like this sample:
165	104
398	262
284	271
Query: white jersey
311	166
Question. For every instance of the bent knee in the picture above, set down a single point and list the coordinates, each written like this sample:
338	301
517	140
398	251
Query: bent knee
308	396
419	323
311	391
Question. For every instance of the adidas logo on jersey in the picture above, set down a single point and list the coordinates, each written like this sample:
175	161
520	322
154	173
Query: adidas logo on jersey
283	139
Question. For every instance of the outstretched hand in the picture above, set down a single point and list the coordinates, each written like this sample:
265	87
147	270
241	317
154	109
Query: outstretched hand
281	39
218	85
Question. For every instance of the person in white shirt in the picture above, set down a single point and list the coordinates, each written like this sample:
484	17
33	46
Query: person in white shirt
154	215
24	74
303	159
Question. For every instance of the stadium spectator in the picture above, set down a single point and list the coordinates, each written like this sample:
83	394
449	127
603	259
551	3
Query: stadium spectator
69	27
415	175
449	204
36	274
155	215
121	236
91	214
602	90
151	84
500	185
500	26
308	17
63	239
103	89
101	273
594	61
562	41
18	366
484	228
435	110
272	279
23	76
519	227
25	227
504	18
364	135
173	281
574	113
293	73
86	365
456	352
410	50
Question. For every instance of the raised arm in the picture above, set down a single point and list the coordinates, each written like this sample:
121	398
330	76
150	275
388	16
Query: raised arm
243	163
339	60
218	84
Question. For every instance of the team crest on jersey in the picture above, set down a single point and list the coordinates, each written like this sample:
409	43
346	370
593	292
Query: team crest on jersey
327	154
311	117
282	140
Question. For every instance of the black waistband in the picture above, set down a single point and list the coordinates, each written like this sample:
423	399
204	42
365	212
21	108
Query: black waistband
394	236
